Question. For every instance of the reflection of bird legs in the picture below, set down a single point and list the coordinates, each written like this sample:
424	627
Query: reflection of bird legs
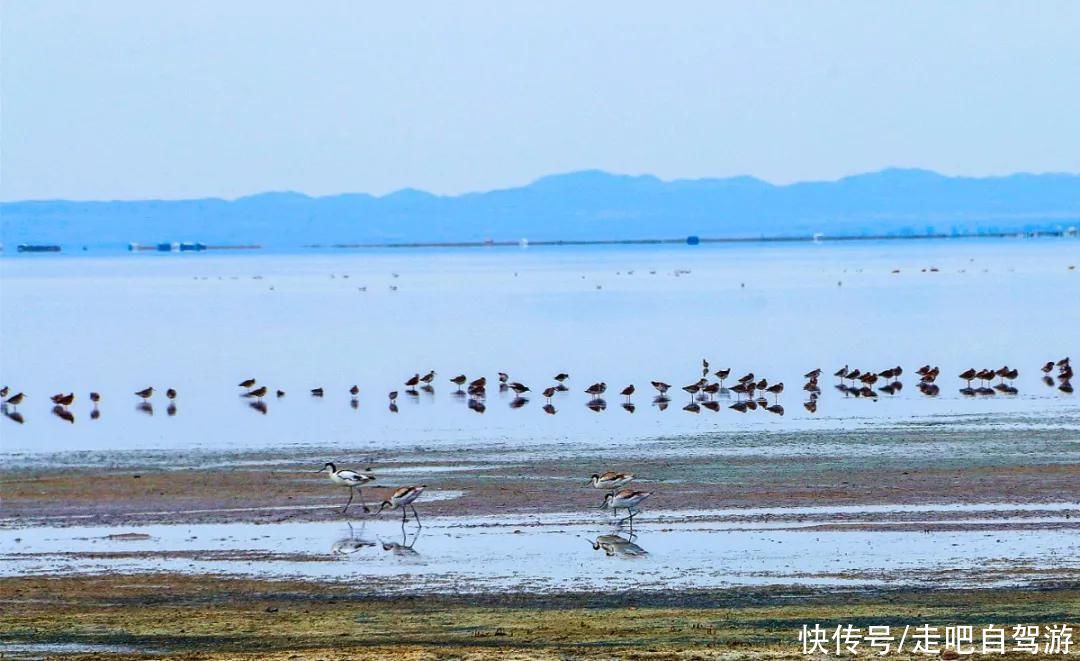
628	518
405	516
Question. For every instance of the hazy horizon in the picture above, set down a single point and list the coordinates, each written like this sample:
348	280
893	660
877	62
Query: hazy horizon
121	100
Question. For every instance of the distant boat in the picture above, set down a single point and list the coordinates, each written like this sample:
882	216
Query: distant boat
31	247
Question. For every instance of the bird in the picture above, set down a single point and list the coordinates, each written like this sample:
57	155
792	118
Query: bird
722	374
813	374
517	387
711	389
170	393
661	387
257	393
246	383
596	389
627	391
403	498
55	399
609	480
94	397
145	393
4	391
354	391
478	383
841	373
627	499
348	478
969	375
548	393
428	378
693	389
503	377
66	400
316	392
393	396
776	389
15	399
562	376
413	381
1048	367
459	380
280	393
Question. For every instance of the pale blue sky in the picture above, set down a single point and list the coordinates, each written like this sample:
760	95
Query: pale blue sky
135	99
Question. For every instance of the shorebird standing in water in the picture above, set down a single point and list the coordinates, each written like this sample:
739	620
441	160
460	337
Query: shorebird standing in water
428	378
246	383
15	399
627	499
354	391
596	389
776	389
518	387
411	383
403	498
722	374
459	381
350	479
316	392
145	393
627	392
548	393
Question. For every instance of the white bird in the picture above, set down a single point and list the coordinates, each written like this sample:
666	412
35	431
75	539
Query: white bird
610	480
403	498
351	479
627	499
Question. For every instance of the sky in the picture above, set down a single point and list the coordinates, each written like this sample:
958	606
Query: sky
118	99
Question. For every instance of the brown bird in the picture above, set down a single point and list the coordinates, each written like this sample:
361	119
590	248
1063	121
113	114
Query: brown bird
776	388
280	393
393	396
693	389
503	377
1064	362
95	397
1048	367
15	399
459	380
596	389
969	375
841	373
257	393
170	393
316	392
55	399
428	378
413	381
246	383
746	378
548	393
354	391
478	383
67	399
517	387
813	374
661	387
145	393
762	384
722	374
627	391
562	376
4	391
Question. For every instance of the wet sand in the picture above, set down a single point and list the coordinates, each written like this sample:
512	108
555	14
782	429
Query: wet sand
901	465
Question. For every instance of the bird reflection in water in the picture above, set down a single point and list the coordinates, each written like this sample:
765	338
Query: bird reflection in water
14	416
351	544
405	548
63	414
549	409
259	406
617	545
518	402
477	405
171	411
145	407
597	405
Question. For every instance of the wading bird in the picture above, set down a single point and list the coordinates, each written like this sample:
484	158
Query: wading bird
627	499
145	393
246	383
351	479
403	498
609	480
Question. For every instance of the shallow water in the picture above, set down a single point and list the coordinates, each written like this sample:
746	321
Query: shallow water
558	551
201	323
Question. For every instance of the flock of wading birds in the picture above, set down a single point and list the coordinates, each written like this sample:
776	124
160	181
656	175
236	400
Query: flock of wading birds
752	393
852	382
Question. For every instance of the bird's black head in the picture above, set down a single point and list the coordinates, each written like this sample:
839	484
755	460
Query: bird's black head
329	465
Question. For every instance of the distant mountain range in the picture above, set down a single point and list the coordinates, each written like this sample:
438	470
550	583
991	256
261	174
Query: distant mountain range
588	205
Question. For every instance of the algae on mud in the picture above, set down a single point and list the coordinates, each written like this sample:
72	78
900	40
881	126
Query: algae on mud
212	617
